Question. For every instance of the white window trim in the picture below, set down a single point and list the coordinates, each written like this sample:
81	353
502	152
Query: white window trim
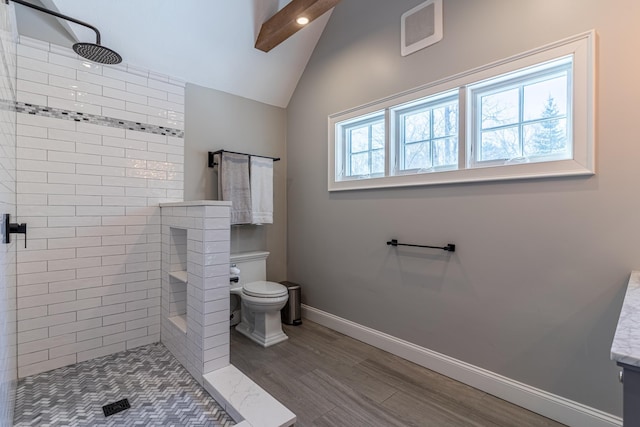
581	46
474	125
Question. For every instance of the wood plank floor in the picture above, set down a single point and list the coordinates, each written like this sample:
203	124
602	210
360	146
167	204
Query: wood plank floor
328	379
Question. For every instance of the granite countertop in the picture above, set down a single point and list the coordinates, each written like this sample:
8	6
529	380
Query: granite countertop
626	342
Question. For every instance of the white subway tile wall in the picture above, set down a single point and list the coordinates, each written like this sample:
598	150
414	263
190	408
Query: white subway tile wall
8	360
196	239
89	186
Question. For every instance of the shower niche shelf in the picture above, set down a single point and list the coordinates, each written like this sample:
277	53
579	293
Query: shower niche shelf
180	276
180	321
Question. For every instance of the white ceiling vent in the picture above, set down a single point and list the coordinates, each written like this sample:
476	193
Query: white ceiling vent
421	27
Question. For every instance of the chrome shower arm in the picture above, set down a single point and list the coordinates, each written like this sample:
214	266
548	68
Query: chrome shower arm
58	15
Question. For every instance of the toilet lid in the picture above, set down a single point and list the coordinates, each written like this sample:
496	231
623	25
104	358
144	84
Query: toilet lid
264	289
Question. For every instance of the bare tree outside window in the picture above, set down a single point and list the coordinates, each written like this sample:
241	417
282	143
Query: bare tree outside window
366	148
525	121
429	136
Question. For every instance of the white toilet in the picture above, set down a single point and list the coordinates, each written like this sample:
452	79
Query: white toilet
260	301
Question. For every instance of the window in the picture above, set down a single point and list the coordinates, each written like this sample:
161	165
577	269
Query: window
364	144
428	134
524	117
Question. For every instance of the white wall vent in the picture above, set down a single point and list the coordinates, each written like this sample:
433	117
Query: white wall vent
421	27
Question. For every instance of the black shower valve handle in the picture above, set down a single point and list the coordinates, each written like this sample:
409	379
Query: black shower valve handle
19	229
13	228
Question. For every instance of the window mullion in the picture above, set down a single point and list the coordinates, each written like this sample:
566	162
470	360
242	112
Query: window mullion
521	119
431	136
370	148
388	128
462	127
347	152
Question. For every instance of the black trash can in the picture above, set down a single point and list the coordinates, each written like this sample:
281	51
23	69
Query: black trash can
292	312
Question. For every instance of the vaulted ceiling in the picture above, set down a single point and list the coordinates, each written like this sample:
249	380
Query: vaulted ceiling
206	42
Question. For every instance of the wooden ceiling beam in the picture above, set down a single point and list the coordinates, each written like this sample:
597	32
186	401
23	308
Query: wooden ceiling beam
283	24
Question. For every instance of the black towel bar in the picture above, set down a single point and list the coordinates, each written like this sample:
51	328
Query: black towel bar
212	163
449	247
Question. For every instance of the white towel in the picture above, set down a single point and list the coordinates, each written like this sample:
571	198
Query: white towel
261	190
233	185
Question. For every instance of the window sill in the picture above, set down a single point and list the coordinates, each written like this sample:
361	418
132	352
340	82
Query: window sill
561	168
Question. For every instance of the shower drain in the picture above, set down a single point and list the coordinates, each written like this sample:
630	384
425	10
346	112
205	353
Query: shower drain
115	407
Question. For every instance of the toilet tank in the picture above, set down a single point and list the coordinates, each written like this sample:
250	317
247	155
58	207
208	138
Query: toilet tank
252	265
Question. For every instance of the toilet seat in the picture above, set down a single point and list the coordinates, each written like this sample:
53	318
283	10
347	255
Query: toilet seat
264	289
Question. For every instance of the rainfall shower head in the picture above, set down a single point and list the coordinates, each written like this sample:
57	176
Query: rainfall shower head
92	51
97	53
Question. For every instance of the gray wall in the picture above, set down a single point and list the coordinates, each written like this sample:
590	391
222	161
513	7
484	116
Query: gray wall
215	120
535	287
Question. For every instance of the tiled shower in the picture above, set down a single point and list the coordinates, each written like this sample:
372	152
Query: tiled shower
98	147
87	154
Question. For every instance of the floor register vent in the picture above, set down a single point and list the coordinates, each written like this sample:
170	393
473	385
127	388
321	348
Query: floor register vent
115	407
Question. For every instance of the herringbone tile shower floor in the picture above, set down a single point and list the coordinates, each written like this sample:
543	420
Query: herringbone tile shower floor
161	393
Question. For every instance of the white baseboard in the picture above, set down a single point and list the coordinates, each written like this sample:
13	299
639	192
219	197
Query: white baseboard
544	403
